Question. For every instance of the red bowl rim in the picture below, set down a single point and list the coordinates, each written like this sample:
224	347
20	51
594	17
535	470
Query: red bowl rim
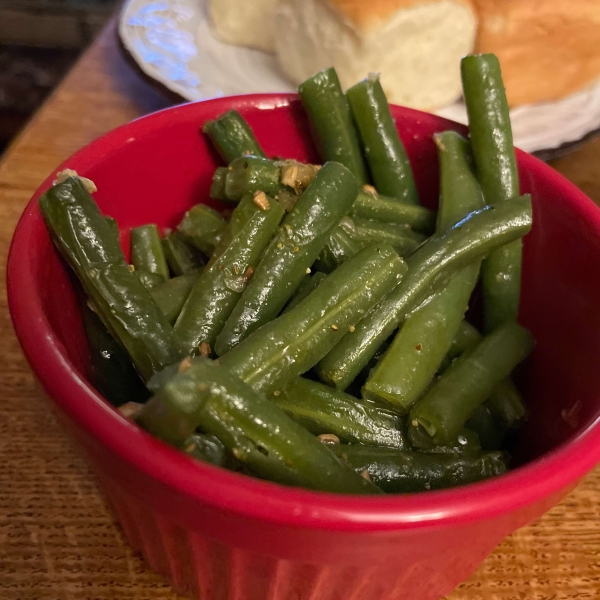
526	485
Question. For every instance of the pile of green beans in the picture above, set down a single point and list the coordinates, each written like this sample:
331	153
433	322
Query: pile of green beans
317	337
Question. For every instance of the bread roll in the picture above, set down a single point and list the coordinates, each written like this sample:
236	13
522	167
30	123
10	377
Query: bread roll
548	49
244	22
416	45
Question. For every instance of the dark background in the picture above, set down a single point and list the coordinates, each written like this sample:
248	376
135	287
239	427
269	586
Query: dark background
39	41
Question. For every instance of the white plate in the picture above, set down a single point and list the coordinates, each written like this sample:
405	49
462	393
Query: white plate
171	41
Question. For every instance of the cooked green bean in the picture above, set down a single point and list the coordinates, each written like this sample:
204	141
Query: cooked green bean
232	137
471	379
306	287
217	187
293	250
490	432
252	174
172	294
323	410
220	287
335	133
424	339
492	141
209	449
202	227
364	232
182	257
87	242
505	403
397	471
205	394
375	207
387	158
338	249
149	280
114	227
147	252
467	442
429	268
291	344
114	375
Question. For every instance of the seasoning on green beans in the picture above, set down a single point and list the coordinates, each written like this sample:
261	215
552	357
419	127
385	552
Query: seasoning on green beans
149	280
397	471
492	142
147	251
232	136
294	342
217	291
445	408
86	240
430	267
335	133
424	339
258	433
292	251
387	158
323	410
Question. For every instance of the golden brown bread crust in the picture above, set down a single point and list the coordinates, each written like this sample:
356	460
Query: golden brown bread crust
548	49
368	14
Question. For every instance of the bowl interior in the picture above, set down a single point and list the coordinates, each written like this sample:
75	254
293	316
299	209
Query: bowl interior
156	168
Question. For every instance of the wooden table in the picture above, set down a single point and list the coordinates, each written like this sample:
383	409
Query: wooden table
57	539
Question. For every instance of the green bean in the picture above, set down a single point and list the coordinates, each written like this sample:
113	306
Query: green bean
220	287
429	268
338	249
294	342
401	237
147	252
208	448
443	411
217	187
114	227
292	251
419	348
149	280
490	432
334	131
205	394
85	239
182	257
322	410
113	374
172	294
505	403
387	158
306	287
202	227
375	207
467	442
397	471
491	138
232	137
252	174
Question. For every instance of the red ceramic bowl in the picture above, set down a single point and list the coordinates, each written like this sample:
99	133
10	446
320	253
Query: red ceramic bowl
220	535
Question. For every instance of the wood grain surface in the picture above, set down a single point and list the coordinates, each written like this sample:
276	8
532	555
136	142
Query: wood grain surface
57	539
